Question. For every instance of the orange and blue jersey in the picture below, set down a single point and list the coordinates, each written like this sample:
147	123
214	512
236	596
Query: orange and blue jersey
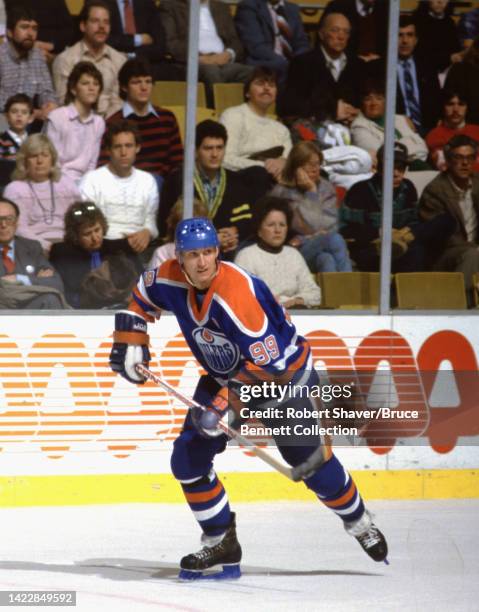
236	326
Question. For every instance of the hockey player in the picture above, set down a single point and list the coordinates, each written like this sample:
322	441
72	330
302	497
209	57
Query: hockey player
237	331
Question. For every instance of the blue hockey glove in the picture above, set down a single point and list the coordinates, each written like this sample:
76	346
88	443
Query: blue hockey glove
130	346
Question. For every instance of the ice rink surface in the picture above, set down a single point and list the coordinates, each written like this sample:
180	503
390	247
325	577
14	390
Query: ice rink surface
296	556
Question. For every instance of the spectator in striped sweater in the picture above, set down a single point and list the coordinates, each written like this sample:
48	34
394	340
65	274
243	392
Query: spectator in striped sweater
161	150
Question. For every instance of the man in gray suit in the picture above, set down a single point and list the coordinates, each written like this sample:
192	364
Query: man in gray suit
27	280
220	49
456	191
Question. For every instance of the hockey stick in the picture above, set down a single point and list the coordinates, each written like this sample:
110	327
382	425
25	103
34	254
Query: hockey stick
225	428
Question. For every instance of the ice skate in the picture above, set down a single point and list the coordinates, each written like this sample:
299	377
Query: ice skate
223	550
368	535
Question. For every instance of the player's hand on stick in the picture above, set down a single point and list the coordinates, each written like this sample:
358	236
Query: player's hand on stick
207	419
130	346
125	357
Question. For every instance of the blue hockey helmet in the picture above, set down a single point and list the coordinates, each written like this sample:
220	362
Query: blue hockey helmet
195	233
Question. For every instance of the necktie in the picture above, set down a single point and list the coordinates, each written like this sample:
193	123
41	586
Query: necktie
413	109
95	260
284	31
7	261
130	26
333	70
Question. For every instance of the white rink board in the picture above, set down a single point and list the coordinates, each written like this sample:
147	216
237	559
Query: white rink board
62	411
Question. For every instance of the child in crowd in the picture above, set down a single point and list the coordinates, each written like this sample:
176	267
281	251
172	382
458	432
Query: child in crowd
18	113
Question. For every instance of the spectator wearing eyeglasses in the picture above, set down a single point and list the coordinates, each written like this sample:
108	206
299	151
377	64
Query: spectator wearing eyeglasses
456	191
41	191
85	248
25	274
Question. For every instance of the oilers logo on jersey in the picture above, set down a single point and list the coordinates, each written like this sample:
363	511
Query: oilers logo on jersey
220	354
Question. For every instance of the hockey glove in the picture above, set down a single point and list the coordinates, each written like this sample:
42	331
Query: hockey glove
130	346
207	420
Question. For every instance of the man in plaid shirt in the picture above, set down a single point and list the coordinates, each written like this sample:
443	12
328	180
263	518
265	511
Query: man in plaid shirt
22	66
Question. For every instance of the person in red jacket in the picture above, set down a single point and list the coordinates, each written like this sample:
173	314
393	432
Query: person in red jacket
453	123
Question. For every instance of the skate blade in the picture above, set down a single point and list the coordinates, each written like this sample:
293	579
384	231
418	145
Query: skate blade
386	561
230	572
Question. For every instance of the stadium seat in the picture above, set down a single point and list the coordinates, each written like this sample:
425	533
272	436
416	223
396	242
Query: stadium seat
74	6
202	113
173	93
430	290
349	290
226	95
475	282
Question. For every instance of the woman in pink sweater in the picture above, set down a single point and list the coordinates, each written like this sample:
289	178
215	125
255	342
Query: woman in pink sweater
76	129
41	191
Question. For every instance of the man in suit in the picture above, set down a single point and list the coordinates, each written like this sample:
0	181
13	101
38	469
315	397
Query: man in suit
23	262
136	29
456	191
368	19
418	91
272	33
324	83
220	50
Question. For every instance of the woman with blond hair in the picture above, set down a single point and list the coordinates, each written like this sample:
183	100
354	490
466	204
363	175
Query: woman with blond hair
312	201
41	192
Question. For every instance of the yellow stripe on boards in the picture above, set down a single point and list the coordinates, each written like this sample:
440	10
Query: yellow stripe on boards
241	487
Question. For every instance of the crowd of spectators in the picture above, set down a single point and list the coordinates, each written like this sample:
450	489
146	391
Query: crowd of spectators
91	168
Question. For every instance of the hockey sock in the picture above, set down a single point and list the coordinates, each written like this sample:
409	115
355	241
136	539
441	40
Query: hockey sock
209	503
337	490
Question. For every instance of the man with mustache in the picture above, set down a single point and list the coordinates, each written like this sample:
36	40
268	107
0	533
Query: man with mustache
22	66
95	26
453	123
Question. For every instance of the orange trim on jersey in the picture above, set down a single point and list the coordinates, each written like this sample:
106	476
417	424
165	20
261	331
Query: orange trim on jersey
233	287
204	496
327	448
133	306
171	270
129	337
199	315
344	499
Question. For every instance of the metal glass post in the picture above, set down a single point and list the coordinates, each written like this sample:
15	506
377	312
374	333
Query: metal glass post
190	115
388	167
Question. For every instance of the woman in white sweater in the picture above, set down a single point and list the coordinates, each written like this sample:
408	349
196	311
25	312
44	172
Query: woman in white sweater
281	267
254	138
367	130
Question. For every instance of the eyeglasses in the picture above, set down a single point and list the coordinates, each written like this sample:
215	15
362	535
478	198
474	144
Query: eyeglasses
86	209
463	158
8	220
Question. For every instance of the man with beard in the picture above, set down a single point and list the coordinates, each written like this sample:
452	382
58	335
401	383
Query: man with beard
22	67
